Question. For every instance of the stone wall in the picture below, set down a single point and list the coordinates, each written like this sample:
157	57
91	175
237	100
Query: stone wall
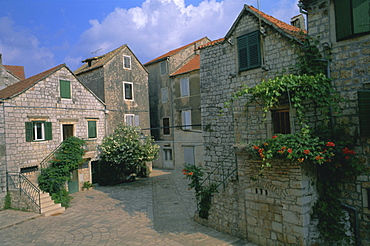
273	209
349	69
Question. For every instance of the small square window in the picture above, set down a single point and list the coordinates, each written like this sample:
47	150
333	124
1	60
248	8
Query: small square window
184	87
127	62
128	91
281	121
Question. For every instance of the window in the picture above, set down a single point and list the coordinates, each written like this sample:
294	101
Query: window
351	18
249	51
132	120
167	154
65	89
127	91
166	126
38	131
186	119
91	129
163	67
184	87
281	121
164	93
127	62
364	112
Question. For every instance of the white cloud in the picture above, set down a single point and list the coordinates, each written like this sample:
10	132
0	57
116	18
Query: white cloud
21	48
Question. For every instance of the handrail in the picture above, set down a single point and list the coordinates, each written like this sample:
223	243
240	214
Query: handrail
30	190
44	162
224	177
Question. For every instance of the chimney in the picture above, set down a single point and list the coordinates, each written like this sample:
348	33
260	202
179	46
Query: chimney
298	21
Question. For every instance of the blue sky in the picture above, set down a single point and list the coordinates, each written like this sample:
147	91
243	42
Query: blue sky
42	34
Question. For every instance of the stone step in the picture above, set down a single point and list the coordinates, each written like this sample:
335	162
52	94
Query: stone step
57	210
48	207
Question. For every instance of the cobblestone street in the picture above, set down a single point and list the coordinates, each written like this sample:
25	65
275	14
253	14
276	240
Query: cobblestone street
153	211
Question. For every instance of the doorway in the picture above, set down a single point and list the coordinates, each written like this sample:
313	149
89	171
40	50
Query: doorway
67	131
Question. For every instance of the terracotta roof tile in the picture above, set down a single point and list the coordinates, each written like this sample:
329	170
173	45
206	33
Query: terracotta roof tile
16	70
211	43
172	52
23	85
193	64
292	30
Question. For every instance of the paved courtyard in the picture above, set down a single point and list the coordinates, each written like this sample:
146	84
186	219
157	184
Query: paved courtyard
152	211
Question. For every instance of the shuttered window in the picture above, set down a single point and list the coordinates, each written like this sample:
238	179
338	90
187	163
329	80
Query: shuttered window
184	87
127	62
127	91
364	112
249	51
281	121
38	131
91	128
65	89
351	18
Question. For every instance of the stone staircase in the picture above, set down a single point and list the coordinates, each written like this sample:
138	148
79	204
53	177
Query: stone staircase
48	207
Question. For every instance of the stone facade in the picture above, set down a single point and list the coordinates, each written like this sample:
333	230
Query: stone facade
349	70
160	70
6	77
106	75
40	101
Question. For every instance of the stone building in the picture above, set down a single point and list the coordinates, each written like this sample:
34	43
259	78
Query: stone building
343	28
120	80
274	209
175	106
10	74
38	113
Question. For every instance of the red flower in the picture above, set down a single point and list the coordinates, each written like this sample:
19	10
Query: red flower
184	170
274	136
190	173
346	157
280	151
185	173
301	160
330	144
348	151
265	144
306	151
283	148
319	157
290	150
256	147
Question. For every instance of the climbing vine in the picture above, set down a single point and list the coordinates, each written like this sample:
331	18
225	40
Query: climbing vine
53	178
335	160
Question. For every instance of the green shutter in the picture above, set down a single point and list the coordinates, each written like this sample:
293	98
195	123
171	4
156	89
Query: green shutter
65	89
29	131
361	16
48	131
91	129
343	18
364	112
249	51
254	50
243	53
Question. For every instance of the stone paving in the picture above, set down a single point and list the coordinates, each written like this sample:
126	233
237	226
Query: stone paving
152	211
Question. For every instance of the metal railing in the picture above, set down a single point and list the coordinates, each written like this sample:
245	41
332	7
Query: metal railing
31	191
45	162
225	173
26	188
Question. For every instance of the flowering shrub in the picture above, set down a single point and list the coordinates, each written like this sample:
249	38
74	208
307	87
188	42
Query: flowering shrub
203	194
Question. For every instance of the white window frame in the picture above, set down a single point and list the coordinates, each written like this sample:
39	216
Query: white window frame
124	91
134	120
167	154
164	95
184	87
129	67
163	67
35	128
96	128
186	119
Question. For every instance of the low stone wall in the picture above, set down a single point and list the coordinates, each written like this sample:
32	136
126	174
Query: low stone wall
273	209
21	202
